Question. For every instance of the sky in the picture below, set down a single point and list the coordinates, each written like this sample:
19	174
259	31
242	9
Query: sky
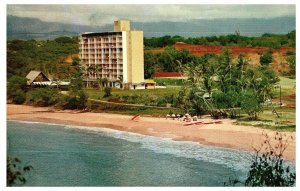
104	14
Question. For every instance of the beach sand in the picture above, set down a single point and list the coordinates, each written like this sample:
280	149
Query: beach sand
221	135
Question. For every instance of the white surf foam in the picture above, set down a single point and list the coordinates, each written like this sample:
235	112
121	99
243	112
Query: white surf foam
236	160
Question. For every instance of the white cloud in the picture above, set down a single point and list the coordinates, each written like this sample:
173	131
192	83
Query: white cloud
105	14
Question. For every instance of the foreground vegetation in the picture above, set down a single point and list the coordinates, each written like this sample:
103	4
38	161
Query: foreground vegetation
268	167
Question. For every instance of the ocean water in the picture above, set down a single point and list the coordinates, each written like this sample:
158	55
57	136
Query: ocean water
78	156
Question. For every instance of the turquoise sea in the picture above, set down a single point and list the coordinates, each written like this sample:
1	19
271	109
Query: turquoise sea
64	155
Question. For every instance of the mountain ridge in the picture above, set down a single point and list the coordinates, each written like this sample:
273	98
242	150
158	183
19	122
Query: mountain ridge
34	28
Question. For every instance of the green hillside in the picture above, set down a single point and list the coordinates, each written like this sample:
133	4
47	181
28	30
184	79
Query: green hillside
46	56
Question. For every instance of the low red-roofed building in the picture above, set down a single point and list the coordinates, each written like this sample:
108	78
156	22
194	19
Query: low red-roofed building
168	75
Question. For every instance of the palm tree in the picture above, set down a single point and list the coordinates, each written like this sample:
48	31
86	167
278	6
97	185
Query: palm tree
208	84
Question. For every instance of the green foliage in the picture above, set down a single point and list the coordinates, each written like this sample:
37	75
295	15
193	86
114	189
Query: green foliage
18	97
290	53
14	172
169	81
107	91
225	100
162	102
131	109
170	60
46	56
77	97
195	101
250	104
291	60
149	63
15	83
65	40
221	100
265	59
16	87
44	96
266	40
268	168
225	103
147	97
224	85
75	61
75	101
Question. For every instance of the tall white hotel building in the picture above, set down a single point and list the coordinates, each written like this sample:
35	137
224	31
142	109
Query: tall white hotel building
117	56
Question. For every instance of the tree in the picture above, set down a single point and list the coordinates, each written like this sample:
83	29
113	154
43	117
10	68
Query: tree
16	87
168	60
75	61
208	84
225	71
196	101
77	98
149	63
16	83
268	168
14	172
250	104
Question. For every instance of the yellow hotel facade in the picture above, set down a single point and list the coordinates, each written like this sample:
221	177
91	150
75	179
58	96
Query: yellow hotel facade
117	56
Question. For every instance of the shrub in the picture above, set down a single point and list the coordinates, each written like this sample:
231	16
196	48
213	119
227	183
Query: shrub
15	83
75	101
44	97
16	87
18	97
161	102
107	91
266	59
268	168
290	53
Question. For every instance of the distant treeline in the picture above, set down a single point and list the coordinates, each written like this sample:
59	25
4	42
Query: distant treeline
266	40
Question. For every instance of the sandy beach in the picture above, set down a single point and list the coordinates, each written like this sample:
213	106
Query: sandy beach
222	135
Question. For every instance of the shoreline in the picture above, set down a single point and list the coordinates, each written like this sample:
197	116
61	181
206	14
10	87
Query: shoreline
224	135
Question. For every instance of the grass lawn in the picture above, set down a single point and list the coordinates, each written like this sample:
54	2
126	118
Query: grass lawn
288	87
96	94
170	81
130	109
267	119
131	102
146	93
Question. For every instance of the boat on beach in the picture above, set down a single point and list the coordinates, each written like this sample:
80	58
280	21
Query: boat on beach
203	123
